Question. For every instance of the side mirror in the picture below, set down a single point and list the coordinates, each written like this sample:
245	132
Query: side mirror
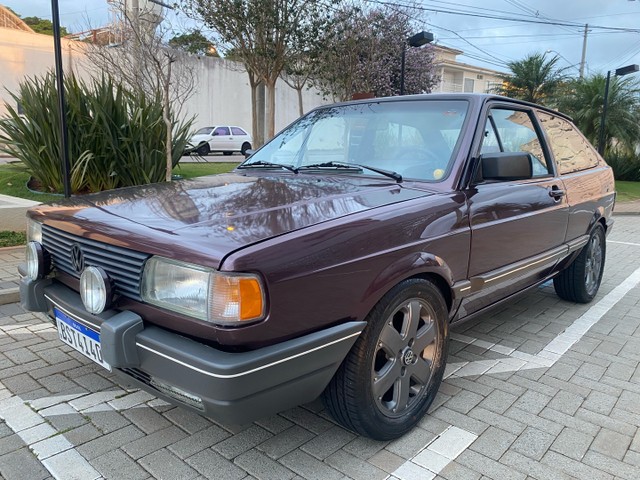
248	153
506	166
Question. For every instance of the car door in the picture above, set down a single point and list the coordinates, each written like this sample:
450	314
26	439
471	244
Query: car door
517	226
221	139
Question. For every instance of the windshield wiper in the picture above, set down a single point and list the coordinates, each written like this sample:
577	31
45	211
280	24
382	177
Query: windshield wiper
260	163
387	173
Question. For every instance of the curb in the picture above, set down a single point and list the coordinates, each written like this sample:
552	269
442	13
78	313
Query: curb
15	248
626	213
9	295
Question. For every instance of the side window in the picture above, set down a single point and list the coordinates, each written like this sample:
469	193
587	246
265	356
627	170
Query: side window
237	131
570	149
221	131
513	131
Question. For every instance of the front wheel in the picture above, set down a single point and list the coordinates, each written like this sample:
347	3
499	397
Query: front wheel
392	374
203	149
580	281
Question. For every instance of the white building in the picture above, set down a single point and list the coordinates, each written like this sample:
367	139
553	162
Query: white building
461	77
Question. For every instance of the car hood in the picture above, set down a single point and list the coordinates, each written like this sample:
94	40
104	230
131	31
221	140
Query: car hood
207	218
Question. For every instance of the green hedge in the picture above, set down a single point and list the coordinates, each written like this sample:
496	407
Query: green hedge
625	167
116	136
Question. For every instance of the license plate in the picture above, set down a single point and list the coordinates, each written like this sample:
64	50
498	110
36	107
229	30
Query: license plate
79	337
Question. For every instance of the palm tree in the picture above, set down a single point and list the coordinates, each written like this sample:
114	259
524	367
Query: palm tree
534	79
583	101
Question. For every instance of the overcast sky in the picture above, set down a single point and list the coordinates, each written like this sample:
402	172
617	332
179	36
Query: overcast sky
489	42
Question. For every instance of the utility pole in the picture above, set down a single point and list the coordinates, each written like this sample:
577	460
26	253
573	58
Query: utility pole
584	50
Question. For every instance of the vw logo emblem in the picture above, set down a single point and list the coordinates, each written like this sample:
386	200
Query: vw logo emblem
77	258
409	357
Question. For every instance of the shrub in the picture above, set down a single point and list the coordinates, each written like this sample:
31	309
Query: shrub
625	166
116	136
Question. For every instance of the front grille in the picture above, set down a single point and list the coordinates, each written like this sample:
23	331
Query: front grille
123	266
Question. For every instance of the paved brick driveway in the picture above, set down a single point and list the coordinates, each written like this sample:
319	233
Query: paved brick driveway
539	388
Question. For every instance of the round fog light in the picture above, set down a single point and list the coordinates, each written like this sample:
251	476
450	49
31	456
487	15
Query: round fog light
95	289
37	261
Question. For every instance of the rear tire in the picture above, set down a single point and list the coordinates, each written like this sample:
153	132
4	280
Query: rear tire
580	281
245	146
392	373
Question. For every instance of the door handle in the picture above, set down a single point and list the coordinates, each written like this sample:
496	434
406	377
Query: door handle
556	192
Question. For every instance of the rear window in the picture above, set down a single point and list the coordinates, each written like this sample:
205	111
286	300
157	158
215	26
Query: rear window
571	150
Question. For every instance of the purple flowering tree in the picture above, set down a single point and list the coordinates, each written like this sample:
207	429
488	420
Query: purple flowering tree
362	53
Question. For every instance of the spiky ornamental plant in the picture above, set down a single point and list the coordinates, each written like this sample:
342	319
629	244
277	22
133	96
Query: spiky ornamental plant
116	136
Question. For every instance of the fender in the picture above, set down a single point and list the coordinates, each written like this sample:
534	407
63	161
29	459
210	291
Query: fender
410	265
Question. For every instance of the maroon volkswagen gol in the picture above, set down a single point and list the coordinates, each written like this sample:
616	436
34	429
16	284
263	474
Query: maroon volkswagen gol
332	261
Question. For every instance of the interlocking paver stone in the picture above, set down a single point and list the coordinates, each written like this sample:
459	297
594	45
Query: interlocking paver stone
240	443
309	467
355	467
493	442
117	464
533	443
214	466
164	465
328	442
572	443
262	467
611	443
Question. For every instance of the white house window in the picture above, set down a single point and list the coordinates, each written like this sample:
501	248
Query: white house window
468	85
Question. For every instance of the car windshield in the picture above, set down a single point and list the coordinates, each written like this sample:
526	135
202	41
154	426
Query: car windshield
415	139
204	131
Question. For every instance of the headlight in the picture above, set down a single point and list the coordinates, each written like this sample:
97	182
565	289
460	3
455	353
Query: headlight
216	297
38	261
95	290
34	231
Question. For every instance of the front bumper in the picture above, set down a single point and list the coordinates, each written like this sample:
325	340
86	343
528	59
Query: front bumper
230	387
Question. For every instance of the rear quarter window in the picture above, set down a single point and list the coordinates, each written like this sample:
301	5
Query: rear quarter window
571	150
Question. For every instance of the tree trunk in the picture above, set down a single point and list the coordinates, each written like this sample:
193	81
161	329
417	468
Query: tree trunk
258	142
254	105
271	109
300	107
167	122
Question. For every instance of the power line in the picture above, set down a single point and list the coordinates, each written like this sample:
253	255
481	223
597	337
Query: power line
495	17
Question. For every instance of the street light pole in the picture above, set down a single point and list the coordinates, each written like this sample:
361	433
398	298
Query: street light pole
619	72
64	139
417	40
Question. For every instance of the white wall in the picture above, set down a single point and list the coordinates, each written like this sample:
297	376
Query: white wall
223	95
25	54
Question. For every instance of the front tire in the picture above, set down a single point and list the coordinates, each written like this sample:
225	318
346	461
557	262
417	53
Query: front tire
203	149
580	281
392	374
